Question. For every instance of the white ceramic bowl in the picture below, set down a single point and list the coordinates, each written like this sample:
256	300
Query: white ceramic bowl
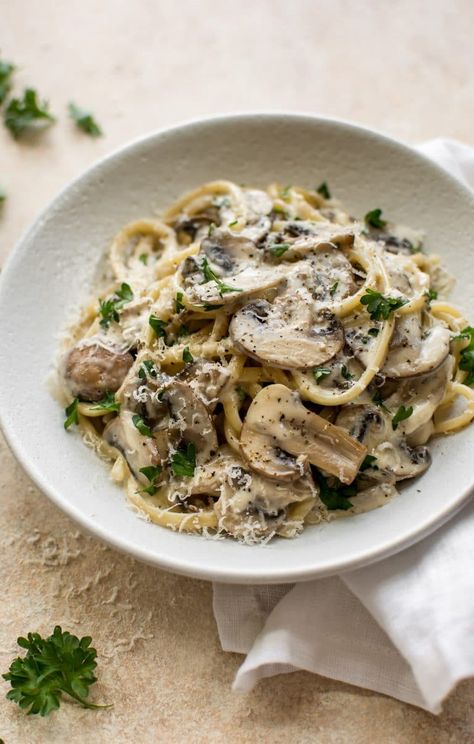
50	273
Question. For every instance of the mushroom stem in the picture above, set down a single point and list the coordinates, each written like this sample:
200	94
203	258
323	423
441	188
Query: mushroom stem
278	421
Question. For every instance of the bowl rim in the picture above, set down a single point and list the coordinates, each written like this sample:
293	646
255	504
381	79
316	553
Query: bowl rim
229	574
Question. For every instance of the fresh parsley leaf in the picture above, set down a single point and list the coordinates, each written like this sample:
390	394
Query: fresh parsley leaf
378	400
431	294
27	112
109	308
158	325
333	289
380	307
53	666
6	72
143	257
368	462
373	331
183	330
152	474
323	189
178	303
345	373
187	356
374	219
335	497
211	276
319	373
278	249
107	404
72	414
141	426
466	362
233	223
84	120
402	414
183	462
147	369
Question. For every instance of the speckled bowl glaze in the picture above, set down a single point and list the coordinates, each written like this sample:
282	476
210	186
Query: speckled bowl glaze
51	272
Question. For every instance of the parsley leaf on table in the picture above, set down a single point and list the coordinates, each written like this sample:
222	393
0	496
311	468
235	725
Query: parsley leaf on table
61	663
6	71
84	120
26	113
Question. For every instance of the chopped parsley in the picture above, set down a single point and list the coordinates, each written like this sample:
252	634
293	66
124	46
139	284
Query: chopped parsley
431	294
233	223
320	372
333	289
26	113
380	307
53	666
183	462
152	474
109	308
6	72
374	219
141	426
278	249
183	330
378	400
210	276
178	303
368	462
143	257
84	120
402	414
467	354
187	356
335	497
107	404
158	325
323	189
345	373
72	414
147	369
373	331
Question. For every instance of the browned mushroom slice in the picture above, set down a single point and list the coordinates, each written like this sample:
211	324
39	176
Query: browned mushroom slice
92	369
290	333
139	451
277	421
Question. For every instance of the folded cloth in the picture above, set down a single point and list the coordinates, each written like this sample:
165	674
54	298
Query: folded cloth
403	626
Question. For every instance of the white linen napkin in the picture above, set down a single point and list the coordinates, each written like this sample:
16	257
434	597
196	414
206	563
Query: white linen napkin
403	626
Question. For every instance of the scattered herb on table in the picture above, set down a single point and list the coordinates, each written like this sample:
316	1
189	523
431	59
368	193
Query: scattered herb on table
6	71
84	120
26	113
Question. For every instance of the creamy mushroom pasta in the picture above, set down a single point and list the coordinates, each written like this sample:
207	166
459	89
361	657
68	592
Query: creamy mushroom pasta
261	360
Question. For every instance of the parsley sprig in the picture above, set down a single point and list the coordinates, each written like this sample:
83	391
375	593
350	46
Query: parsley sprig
6	71
53	666
335	497
278	249
401	414
26	113
183	462
211	276
84	120
109	308
152	474
380	307
108	404
139	424
466	362
374	219
323	189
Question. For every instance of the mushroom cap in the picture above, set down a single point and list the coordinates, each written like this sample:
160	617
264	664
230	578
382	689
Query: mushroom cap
290	333
139	451
373	427
190	417
92	369
413	352
277	421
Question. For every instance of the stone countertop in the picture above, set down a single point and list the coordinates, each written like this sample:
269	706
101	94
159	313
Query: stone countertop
404	68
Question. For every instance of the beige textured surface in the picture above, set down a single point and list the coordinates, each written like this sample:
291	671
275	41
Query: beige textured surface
404	67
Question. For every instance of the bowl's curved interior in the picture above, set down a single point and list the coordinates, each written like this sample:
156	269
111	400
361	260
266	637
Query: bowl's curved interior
50	275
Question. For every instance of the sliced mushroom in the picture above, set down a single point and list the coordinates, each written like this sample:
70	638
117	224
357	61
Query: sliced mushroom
236	263
414	351
206	379
278	422
250	506
373	427
139	451
399	238
190	418
405	276
325	273
290	333
423	394
306	236
92	369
